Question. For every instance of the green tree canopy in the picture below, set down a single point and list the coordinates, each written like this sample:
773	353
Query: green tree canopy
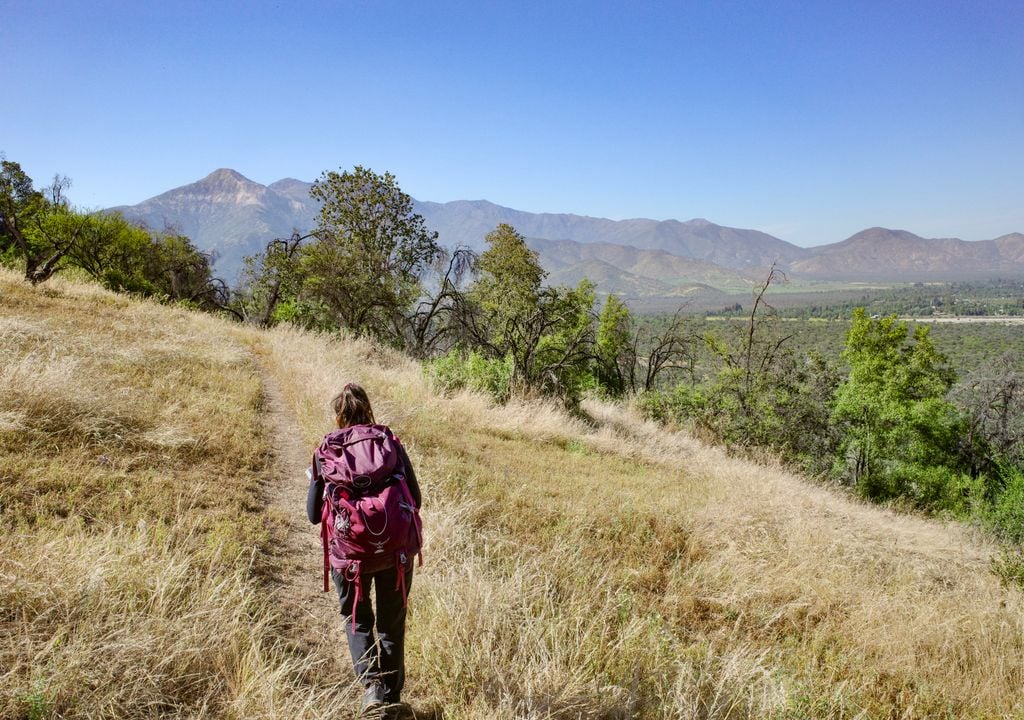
35	230
892	405
613	345
545	333
370	251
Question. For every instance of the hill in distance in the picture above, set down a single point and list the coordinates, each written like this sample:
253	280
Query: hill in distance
882	254
232	216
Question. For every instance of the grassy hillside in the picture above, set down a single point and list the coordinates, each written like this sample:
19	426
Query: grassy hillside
606	570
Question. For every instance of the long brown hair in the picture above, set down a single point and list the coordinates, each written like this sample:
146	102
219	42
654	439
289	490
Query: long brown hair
352	406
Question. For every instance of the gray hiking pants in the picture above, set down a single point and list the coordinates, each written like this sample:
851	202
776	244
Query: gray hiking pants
382	658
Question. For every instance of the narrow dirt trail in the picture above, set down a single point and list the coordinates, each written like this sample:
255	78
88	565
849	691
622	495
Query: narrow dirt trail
299	556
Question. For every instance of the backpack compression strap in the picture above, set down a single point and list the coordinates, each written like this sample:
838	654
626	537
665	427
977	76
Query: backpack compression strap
324	512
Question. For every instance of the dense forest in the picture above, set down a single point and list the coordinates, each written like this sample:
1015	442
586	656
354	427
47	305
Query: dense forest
921	418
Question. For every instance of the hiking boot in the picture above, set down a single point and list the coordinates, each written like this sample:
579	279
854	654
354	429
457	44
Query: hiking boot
392	698
373	699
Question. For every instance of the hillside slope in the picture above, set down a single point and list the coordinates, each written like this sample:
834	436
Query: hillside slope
572	570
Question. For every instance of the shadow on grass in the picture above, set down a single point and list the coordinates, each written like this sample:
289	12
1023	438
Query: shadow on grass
410	712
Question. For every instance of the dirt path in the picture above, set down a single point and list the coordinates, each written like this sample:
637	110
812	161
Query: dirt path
299	556
298	560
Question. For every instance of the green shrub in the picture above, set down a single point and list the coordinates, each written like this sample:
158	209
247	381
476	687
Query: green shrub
683	404
1008	566
936	488
458	370
1008	509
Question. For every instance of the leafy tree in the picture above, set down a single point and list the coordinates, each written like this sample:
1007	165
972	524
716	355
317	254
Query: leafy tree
546	334
273	280
40	229
369	254
507	289
510	274
892	410
563	329
36	230
613	346
113	251
178	271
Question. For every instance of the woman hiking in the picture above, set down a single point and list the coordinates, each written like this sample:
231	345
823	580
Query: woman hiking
363	491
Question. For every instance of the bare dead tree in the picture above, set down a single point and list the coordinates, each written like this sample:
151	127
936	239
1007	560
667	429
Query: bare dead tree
671	348
756	354
57	191
276	270
433	319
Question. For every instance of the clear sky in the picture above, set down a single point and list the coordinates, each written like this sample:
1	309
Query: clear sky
808	120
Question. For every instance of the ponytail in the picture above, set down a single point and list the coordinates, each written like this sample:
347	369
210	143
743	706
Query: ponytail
352	406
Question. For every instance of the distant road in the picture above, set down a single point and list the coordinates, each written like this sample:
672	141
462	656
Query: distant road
995	319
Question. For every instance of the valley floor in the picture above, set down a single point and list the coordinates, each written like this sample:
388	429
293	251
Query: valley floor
155	559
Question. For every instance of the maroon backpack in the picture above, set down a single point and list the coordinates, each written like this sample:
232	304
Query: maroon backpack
370	521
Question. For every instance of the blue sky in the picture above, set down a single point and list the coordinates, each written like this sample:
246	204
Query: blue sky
810	120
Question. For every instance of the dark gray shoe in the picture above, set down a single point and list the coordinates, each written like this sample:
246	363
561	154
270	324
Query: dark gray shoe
373	699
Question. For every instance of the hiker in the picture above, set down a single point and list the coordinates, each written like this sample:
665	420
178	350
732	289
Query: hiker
363	491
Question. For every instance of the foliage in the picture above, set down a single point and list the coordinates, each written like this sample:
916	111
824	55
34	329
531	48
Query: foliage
360	269
113	252
272	281
546	332
36	229
460	370
1008	508
40	230
759	394
178	271
613	346
369	254
509	284
892	410
1008	566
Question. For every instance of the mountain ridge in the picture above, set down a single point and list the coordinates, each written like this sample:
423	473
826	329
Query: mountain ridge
231	216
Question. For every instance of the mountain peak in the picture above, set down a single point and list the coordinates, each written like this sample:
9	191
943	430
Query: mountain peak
286	182
226	174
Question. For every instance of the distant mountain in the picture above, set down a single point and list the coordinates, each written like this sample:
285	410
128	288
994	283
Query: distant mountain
882	254
634	271
228	214
231	216
466	222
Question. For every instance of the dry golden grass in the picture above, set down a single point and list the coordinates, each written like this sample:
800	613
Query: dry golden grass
131	480
602	569
616	570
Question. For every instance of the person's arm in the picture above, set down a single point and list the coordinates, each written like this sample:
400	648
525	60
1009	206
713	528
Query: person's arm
315	498
410	476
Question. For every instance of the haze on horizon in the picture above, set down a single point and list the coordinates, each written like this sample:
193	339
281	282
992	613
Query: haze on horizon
806	121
